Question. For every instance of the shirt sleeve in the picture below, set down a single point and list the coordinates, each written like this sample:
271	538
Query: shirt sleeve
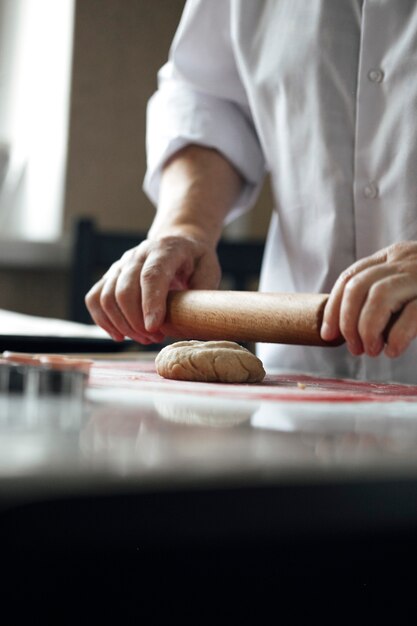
201	100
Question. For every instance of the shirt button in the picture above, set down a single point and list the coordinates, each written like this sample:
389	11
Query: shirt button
371	191
376	76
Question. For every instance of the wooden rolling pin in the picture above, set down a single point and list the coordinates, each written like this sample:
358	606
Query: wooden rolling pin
247	316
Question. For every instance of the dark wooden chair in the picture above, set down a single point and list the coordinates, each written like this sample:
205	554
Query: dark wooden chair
95	250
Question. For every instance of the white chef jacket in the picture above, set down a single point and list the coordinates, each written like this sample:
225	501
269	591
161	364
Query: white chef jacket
323	95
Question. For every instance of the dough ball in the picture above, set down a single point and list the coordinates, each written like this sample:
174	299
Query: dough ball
209	361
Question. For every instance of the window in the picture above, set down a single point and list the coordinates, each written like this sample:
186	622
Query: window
35	74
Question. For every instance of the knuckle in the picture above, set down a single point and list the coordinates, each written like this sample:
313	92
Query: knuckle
396	249
167	240
151	273
346	275
106	300
94	291
402	250
165	245
126	255
377	294
122	293
352	286
92	302
114	267
172	240
139	252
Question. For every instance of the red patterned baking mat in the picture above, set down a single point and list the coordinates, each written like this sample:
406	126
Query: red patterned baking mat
141	375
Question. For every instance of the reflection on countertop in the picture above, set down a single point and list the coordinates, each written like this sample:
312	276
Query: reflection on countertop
195	411
128	434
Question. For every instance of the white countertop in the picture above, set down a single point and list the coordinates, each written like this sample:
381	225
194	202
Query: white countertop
121	438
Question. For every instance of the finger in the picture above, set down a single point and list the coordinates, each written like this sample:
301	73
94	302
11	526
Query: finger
92	301
158	273
403	331
353	300
110	307
385	298
330	328
128	300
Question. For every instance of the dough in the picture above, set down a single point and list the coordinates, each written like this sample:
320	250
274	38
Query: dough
209	361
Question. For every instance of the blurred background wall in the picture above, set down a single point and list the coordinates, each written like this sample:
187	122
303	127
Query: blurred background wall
118	47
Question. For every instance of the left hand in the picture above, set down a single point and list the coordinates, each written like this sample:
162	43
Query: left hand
367	294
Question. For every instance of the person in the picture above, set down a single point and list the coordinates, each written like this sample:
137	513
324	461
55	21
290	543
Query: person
323	96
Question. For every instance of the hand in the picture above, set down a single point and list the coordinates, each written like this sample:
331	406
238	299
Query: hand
367	295
130	299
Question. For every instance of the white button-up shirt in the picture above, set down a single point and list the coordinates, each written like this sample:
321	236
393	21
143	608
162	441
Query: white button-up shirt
323	95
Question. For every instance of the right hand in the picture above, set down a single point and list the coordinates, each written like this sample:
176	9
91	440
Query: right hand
130	299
